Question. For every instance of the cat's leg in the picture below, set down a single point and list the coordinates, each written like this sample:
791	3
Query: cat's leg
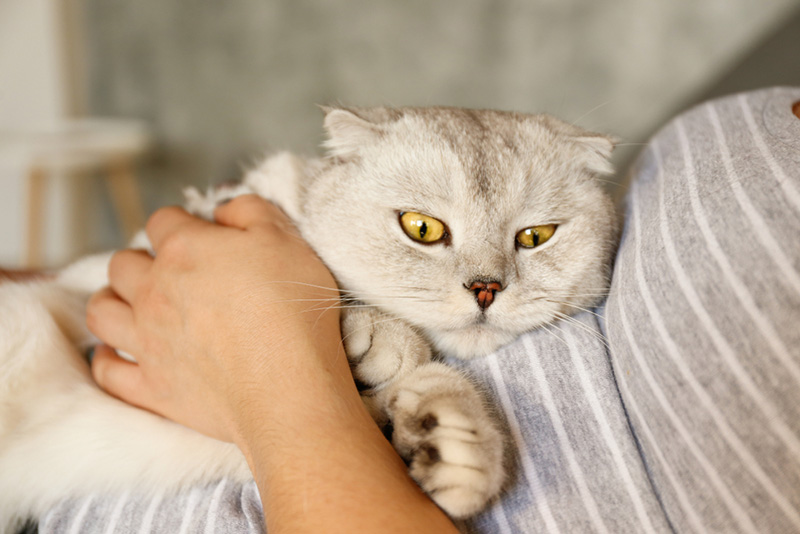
380	349
441	424
444	429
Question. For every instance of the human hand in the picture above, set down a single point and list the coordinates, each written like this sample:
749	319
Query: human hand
235	330
223	313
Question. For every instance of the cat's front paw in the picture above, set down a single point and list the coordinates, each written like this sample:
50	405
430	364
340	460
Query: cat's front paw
443	429
380	348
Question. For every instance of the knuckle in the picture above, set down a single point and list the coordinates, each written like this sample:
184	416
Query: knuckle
249	203
176	245
154	301
159	216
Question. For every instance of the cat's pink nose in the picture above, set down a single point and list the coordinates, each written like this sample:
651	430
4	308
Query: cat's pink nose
484	292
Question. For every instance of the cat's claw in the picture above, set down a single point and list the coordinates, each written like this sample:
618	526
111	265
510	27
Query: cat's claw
443	429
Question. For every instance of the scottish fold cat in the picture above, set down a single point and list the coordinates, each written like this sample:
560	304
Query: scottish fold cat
450	231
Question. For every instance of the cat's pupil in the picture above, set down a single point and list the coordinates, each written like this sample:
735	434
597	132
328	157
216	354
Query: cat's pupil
423	229
535	238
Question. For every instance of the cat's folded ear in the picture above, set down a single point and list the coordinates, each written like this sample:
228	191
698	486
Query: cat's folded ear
350	129
597	150
594	149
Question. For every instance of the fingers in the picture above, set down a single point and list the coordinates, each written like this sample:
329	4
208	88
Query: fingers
168	221
127	271
111	319
120	378
251	210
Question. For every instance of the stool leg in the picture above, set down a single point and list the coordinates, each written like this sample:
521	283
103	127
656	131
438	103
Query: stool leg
125	196
36	182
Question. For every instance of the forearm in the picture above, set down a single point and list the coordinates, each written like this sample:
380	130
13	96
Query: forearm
322	465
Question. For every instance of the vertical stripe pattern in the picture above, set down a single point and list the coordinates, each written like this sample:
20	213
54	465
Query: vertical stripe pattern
685	417
703	314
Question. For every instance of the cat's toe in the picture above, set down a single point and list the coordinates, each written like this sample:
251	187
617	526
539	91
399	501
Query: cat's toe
458	464
455	468
459	501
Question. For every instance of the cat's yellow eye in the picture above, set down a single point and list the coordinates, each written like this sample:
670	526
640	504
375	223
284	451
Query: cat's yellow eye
535	235
421	227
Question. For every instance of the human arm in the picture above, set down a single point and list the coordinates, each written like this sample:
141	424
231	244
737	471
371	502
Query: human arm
236	334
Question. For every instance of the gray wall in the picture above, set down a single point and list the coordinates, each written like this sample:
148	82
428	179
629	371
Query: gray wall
221	82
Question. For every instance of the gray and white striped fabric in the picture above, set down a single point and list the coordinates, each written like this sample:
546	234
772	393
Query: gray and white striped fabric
222	508
677	407
704	316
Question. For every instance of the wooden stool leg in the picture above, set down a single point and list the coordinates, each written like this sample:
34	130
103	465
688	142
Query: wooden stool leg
125	196
35	241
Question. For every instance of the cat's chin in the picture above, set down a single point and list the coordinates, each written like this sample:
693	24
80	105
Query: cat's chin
470	342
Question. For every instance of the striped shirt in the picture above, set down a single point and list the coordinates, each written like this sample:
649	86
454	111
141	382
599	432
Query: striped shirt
676	407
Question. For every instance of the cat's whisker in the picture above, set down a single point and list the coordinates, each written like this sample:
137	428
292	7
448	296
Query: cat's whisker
598	297
311	300
347	294
609	182
632	144
410	288
547	328
568	294
323	310
599	106
565	303
588	330
305	284
594	333
390	298
317	309
571	290
369	325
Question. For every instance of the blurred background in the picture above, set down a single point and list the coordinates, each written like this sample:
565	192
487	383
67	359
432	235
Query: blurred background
108	107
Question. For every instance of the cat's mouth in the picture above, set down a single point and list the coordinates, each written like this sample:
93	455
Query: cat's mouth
479	323
474	338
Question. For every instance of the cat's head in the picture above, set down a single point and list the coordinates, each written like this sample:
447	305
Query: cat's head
474	226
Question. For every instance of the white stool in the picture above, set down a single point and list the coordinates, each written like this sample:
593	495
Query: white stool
80	145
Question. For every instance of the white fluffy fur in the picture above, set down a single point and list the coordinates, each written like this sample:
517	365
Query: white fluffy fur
60	435
485	174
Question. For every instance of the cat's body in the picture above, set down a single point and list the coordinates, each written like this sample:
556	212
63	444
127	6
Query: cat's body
525	234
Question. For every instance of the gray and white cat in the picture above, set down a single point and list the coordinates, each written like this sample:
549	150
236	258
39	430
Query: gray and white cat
449	230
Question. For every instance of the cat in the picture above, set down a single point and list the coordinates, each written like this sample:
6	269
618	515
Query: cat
450	231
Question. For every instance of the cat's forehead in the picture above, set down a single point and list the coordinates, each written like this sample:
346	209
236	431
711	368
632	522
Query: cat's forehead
489	153
467	131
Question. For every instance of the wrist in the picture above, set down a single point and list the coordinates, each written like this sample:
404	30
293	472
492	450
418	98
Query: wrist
295	394
316	454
